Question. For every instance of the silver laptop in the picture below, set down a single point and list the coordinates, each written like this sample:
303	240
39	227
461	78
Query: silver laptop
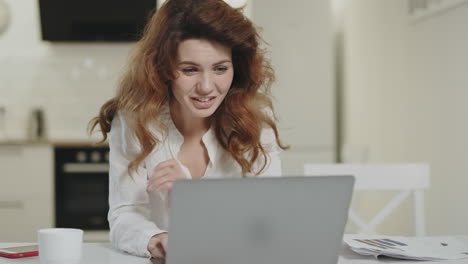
258	220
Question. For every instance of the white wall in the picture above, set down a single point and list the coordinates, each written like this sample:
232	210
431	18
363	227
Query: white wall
69	81
405	100
300	44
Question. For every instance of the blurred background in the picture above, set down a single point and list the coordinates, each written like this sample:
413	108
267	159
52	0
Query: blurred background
358	81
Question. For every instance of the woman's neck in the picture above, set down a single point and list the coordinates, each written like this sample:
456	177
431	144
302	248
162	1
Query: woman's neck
188	126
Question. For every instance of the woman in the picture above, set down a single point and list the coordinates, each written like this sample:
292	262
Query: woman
194	103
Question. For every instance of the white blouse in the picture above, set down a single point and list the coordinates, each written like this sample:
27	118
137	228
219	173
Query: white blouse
135	214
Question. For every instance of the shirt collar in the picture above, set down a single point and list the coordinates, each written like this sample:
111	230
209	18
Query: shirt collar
211	143
176	138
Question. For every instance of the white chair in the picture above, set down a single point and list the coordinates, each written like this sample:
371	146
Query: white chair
407	178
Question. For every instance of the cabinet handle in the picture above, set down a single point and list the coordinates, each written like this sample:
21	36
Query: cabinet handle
8	151
11	204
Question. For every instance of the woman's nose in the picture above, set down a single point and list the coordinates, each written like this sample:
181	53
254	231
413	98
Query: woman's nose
206	84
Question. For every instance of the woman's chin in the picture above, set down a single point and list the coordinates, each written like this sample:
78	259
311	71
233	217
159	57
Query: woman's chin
203	113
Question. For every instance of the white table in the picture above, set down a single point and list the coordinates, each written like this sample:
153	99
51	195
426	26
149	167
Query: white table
103	253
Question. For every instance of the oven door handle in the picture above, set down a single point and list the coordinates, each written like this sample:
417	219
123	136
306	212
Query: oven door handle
86	167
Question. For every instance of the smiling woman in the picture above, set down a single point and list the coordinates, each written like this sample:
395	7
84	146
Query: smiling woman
195	102
204	76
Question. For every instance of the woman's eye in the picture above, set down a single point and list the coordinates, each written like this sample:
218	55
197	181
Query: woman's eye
221	69
189	70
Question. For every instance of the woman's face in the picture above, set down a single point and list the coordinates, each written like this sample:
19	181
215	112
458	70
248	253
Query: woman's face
204	75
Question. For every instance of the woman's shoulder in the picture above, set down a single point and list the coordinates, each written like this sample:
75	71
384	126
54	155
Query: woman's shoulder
125	119
124	124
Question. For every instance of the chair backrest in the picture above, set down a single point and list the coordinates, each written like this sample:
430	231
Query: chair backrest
407	178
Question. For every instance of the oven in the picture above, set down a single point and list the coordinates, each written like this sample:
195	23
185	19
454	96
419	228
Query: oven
81	187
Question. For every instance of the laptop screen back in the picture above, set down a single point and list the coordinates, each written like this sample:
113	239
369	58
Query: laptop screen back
258	220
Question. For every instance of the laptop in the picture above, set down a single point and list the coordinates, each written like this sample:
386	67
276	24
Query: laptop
258	220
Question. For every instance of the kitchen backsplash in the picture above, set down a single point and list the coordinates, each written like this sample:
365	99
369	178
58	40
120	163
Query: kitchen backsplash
69	82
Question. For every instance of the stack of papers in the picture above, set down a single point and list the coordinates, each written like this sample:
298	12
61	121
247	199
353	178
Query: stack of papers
416	248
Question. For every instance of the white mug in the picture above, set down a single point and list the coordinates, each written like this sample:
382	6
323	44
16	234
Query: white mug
60	245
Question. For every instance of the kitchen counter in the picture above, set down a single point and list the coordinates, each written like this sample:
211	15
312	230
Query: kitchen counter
104	253
22	142
93	253
59	143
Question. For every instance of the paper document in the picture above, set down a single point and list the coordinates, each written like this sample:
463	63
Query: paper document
416	248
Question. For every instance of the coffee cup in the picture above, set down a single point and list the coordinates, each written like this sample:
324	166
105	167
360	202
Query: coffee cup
60	245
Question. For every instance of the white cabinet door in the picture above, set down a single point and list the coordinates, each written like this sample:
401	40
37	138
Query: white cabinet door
12	169
26	191
21	217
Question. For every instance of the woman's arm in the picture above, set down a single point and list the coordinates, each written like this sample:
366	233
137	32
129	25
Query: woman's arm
129	215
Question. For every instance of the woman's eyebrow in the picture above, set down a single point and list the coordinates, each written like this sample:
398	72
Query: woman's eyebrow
196	64
189	63
221	62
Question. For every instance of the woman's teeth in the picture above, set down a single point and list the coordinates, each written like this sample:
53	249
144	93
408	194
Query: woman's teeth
203	99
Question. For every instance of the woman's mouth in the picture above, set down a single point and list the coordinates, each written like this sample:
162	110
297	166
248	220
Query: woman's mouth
203	102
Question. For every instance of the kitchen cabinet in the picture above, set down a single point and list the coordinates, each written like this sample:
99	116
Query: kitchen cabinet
26	190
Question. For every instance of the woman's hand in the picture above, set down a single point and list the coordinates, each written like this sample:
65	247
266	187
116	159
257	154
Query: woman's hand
157	245
164	175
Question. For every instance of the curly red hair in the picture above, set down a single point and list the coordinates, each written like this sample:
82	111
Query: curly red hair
145	87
